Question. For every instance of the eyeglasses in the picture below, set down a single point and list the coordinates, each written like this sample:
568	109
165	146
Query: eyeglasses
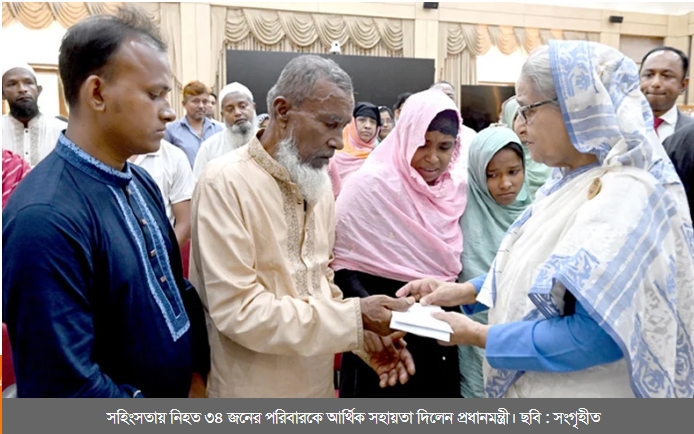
523	111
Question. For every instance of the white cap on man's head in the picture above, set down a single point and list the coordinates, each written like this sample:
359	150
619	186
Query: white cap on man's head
7	66
233	88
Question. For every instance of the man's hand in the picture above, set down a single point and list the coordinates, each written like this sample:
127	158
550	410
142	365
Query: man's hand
376	312
389	357
432	292
465	330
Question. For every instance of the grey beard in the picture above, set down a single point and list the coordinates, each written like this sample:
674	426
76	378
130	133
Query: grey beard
243	128
313	183
239	135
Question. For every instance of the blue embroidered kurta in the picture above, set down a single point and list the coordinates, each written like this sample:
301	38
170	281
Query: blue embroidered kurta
93	291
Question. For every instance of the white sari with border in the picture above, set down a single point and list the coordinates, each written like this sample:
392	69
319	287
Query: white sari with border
616	234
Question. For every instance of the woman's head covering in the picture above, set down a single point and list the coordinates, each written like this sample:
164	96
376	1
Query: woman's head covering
355	151
509	111
536	174
368	110
485	221
484	225
389	221
605	112
623	242
335	180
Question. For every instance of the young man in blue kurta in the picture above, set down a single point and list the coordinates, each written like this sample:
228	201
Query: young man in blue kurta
93	290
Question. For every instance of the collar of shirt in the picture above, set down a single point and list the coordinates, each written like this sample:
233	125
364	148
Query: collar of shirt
670	116
77	157
156	153
32	123
271	166
206	124
140	158
265	160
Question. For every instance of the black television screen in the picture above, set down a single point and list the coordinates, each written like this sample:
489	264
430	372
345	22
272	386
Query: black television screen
480	105
378	80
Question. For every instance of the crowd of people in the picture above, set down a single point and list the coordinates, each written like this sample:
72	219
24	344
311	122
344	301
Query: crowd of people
149	256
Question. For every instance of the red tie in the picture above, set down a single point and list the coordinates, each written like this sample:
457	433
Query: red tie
656	123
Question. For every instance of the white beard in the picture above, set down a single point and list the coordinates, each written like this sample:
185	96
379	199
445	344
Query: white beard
313	183
239	135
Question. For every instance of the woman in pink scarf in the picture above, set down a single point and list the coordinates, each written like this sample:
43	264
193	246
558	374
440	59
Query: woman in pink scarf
359	139
397	220
334	177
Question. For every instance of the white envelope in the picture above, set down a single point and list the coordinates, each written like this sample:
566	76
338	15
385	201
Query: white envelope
421	331
418	320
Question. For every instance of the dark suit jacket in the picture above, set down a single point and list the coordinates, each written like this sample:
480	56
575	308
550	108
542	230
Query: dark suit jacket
680	148
683	120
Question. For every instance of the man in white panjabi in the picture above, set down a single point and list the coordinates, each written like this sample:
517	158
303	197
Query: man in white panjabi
170	169
238	110
25	130
262	239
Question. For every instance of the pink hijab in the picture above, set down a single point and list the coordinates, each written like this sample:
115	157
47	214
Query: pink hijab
388	221
334	177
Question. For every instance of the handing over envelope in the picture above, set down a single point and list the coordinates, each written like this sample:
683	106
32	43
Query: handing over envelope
418	321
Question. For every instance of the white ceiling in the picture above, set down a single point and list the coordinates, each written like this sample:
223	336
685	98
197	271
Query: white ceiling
667	8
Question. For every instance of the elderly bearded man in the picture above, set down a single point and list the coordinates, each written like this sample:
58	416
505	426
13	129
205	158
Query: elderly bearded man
238	109
263	234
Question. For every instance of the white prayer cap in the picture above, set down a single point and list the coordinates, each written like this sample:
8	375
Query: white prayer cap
232	88
6	66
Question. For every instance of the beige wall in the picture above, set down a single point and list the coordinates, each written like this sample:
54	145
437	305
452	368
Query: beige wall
674	30
196	53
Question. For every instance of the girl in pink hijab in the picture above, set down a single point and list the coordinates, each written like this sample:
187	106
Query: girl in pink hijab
397	220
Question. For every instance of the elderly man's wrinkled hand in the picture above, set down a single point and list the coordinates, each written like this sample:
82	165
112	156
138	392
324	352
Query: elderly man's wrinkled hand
376	312
389	358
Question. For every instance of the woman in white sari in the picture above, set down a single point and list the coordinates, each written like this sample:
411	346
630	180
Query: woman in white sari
590	293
